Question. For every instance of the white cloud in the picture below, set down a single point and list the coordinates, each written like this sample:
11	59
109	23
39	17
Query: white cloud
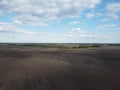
90	15
29	20
10	28
108	27
76	29
46	9
74	22
105	19
78	33
99	14
12	33
113	9
93	14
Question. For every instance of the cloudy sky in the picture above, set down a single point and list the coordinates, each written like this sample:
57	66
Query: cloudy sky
60	21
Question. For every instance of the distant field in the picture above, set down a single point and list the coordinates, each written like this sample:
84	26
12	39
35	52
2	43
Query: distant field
23	68
57	45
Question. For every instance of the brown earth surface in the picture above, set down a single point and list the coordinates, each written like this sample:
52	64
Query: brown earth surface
59	69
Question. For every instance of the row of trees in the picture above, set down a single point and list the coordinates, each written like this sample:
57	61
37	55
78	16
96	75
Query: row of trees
49	45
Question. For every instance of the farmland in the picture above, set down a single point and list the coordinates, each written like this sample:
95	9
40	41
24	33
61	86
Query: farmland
79	67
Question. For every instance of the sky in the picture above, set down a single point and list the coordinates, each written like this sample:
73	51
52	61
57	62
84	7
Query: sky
60	21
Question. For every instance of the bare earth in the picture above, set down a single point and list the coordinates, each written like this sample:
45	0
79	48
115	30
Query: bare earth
55	69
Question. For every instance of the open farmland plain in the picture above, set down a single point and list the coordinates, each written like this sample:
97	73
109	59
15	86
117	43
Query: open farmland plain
60	69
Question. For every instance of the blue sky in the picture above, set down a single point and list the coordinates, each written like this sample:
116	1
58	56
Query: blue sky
60	21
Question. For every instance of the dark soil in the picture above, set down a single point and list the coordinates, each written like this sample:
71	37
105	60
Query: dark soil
55	69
